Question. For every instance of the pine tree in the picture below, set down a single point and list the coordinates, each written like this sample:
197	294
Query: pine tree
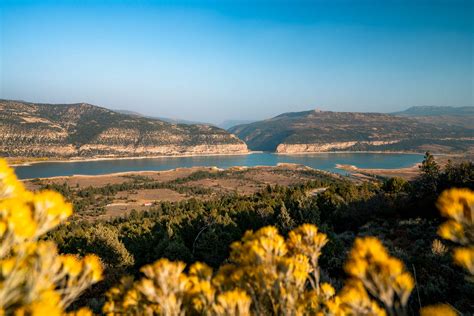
284	220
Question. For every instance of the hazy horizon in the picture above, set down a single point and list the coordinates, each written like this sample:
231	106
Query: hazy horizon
214	61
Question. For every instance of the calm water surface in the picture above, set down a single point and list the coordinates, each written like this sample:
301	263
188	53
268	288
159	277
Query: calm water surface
324	161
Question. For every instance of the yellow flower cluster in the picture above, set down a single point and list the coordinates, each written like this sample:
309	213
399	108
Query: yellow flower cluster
438	310
267	274
34	278
167	290
458	206
384	277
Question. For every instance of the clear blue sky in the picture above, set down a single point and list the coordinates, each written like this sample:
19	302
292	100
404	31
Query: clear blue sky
217	60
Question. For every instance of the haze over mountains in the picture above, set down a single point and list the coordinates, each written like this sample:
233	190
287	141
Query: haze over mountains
69	130
442	115
224	124
320	131
166	119
437	111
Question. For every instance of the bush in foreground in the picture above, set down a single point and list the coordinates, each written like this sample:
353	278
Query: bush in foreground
34	278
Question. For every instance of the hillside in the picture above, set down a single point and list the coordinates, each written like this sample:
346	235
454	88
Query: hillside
441	115
85	130
323	131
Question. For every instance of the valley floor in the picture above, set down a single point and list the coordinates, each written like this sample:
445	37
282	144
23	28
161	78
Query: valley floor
118	194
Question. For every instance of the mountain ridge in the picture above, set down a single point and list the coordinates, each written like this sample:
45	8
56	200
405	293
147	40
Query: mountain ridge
430	110
323	131
68	130
165	119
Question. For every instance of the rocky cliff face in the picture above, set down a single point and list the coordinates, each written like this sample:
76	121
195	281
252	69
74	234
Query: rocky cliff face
84	130
326	147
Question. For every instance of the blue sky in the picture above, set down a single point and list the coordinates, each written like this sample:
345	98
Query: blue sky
217	60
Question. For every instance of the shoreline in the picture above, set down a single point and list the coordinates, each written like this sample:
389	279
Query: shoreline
407	173
198	168
118	174
355	168
364	152
75	159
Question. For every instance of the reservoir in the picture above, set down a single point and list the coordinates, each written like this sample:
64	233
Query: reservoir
322	161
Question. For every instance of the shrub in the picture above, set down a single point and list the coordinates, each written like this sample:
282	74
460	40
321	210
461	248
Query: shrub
270	275
34	278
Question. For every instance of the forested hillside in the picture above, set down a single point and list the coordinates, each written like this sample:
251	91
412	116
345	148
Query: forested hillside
322	131
85	130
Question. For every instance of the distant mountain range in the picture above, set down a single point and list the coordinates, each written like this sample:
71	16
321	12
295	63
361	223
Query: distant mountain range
165	119
225	124
323	131
441	115
231	123
437	111
71	130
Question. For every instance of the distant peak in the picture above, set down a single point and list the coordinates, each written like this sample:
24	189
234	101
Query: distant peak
432	110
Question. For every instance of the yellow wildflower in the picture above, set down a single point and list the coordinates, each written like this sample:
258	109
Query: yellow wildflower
465	258
438	310
327	290
354	300
50	209
93	265
71	264
201	270
452	230
3	227
307	240
294	269
382	275
334	307
9	185
259	247
232	303
48	303
132	296
457	204
7	265
19	217
81	312
36	280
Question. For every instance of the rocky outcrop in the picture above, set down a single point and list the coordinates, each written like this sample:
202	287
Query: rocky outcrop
171	150
84	130
327	147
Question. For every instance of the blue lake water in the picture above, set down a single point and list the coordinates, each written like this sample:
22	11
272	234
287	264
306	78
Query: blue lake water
323	161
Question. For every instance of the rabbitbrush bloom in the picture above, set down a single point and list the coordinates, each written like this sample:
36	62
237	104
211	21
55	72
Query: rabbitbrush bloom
34	278
458	206
380	274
